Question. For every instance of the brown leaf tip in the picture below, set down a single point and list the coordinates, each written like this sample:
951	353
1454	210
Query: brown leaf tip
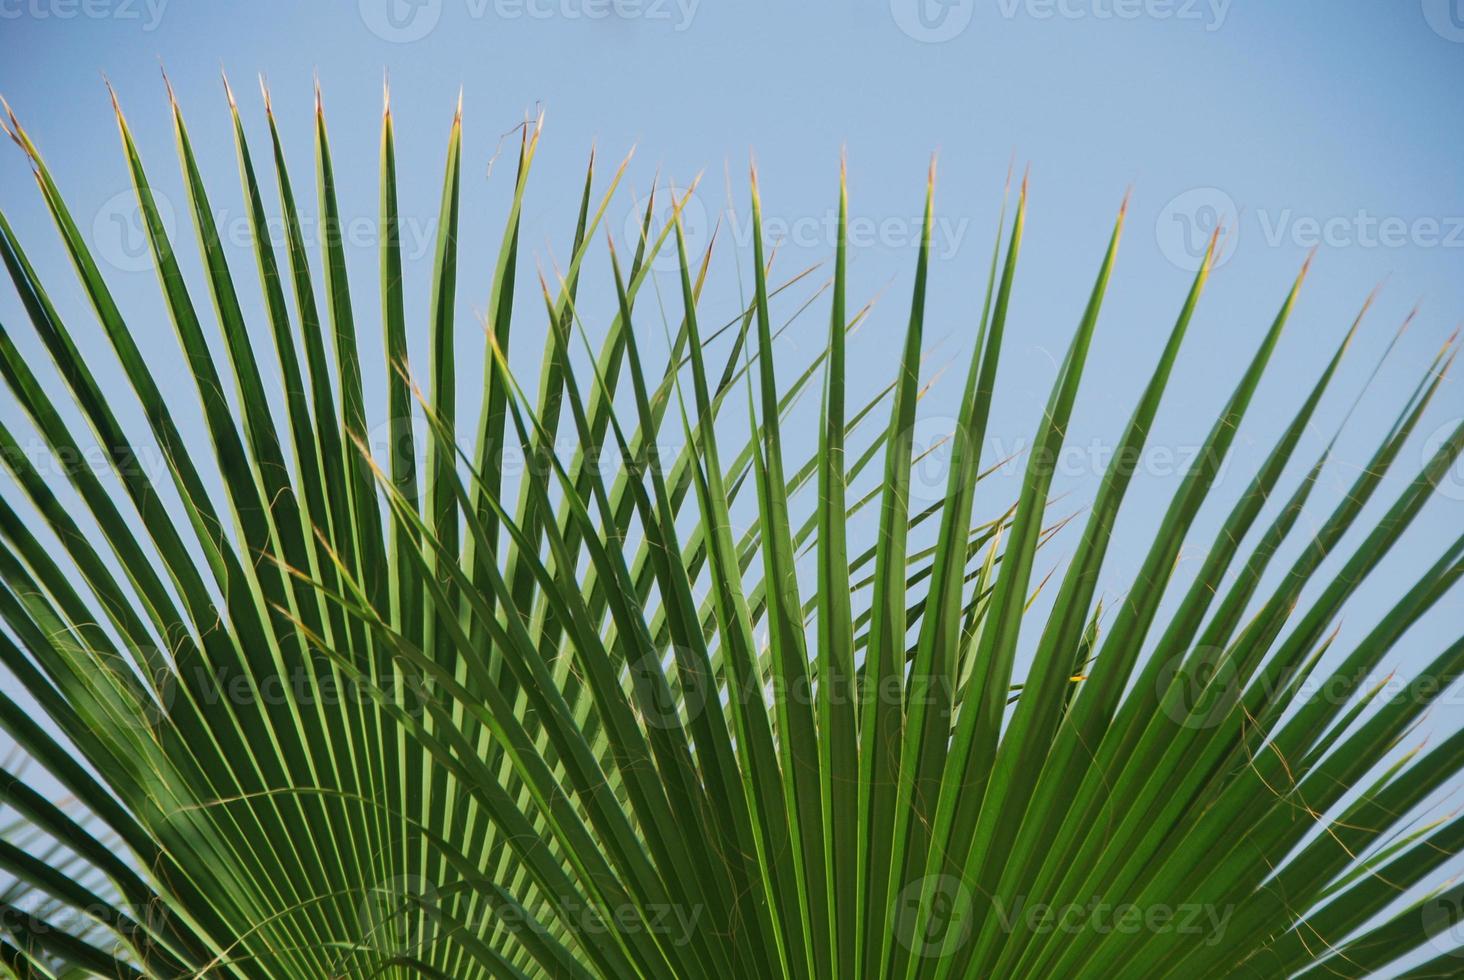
112	93
1310	258
12	129
168	84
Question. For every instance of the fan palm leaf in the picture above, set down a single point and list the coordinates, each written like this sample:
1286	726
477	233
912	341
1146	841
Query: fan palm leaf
604	683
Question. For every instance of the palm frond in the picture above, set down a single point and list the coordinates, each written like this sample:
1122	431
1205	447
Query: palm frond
475	704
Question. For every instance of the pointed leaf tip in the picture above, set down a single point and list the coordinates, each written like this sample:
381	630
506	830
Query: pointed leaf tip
1448	367
1452	339
1372	297
1306	266
12	129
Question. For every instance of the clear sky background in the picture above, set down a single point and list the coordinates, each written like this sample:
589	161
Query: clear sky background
1299	123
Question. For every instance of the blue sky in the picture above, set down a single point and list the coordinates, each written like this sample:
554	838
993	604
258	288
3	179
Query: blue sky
1311	122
